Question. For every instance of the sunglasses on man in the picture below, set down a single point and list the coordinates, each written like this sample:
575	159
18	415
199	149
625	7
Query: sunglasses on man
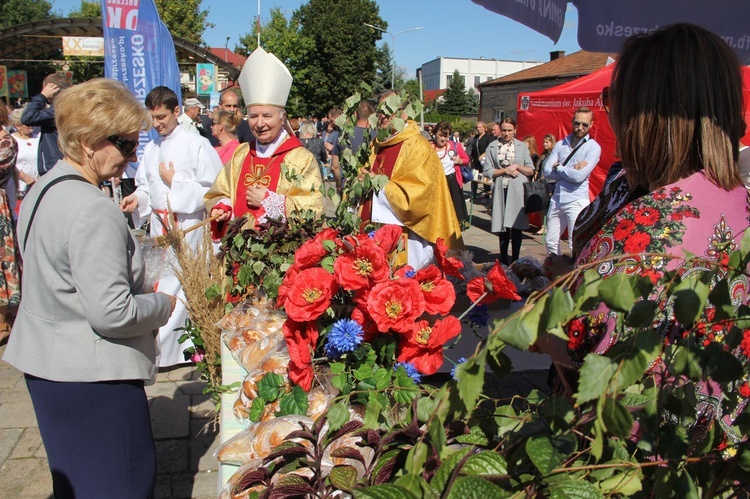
126	146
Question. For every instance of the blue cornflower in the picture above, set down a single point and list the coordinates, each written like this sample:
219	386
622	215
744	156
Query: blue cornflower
345	336
479	316
410	370
371	234
453	370
411	273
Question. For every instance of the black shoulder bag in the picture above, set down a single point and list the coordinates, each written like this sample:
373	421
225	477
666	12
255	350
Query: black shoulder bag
536	197
41	195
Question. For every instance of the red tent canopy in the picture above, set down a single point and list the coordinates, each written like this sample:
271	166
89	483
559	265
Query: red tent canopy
551	111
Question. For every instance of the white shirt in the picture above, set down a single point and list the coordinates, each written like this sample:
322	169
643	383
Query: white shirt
26	160
196	165
188	124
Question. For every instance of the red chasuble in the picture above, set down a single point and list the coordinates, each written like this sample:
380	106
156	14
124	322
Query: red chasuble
384	163
262	171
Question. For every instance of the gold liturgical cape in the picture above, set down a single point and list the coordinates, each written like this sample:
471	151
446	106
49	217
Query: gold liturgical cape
418	191
302	188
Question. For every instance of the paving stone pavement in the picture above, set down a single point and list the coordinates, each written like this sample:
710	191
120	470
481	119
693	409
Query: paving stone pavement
181	415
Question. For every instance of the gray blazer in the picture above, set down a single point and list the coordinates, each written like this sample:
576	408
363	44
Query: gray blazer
507	213
82	315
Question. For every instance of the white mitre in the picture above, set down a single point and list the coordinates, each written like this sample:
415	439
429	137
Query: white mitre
264	80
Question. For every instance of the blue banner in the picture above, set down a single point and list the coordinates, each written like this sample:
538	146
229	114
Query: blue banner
543	16
139	50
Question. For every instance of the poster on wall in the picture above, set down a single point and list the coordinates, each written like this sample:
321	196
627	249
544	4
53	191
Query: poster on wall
205	75
18	84
3	82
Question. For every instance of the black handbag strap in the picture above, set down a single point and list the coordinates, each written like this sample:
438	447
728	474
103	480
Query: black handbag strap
41	195
573	152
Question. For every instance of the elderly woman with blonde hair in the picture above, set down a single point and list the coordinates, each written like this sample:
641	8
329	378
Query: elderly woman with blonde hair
84	334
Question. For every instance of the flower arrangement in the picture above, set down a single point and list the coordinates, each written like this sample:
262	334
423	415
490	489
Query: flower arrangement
349	310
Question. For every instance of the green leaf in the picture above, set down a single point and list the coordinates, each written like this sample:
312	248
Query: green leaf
327	263
293	403
515	332
328	244
372	413
383	492
443	474
416	458
642	314
617	292
382	378
258	267
469	487
557	310
634	355
470	376
271	386
624	484
485	463
436	432
337	415
417	486
406	389
245	275
475	436
596	373
363	372
212	292
686	361
574	489
616	418
256	410
343	477
548	452
506	419
723	367
690	299
337	367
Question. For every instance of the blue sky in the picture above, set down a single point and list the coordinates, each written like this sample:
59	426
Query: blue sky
452	28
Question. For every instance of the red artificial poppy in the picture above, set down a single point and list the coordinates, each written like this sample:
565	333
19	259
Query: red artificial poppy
301	339
637	242
286	284
362	267
439	294
312	252
395	305
310	294
576	334
496	284
387	237
745	390
404	272
423	347
449	265
360	315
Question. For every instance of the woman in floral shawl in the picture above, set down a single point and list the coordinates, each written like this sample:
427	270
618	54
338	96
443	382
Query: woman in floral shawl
676	109
10	291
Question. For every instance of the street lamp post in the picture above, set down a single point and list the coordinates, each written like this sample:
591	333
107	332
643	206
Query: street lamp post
393	47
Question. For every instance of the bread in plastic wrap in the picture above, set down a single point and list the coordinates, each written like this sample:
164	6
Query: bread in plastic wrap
259	439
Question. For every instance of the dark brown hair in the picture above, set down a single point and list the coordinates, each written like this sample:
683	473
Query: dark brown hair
676	98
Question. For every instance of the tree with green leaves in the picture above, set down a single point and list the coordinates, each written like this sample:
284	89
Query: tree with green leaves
454	100
184	19
14	12
88	8
345	53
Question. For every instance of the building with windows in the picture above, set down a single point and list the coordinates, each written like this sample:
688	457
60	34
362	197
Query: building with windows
498	97
437	73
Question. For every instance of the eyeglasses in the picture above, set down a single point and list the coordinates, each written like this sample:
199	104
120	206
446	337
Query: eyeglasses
126	146
576	124
605	99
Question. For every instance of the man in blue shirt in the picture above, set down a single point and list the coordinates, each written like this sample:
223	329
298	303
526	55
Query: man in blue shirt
571	162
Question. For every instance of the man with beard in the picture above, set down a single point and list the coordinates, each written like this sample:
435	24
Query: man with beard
416	195
253	183
570	163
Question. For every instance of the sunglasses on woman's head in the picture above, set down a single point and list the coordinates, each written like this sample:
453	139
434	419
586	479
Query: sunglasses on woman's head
126	146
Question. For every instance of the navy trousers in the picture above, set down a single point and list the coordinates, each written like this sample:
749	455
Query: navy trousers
97	437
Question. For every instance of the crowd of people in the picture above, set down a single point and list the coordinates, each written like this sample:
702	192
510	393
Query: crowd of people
89	333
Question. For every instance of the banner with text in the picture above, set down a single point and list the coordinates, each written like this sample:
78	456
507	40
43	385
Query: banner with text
139	50
83	46
543	16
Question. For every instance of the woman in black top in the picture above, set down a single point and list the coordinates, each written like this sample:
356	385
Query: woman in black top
481	140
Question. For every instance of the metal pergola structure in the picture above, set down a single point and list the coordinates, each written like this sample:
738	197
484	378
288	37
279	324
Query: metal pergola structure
41	41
